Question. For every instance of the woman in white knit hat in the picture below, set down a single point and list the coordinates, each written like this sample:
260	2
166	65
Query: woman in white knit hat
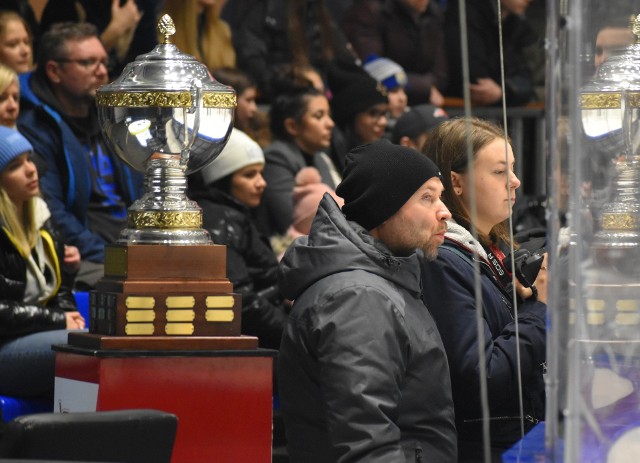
230	189
36	305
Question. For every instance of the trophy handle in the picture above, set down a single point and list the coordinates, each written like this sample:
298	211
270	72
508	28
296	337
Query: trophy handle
197	101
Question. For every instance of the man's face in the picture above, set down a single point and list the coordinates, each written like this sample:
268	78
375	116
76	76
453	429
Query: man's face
419	224
82	71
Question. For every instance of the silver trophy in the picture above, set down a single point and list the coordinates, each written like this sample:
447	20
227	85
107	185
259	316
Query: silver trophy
165	116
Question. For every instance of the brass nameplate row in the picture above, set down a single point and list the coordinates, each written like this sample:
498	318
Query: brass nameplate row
165	99
608	100
627	312
171	315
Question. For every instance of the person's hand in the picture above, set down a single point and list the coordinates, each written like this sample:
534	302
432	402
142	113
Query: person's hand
75	321
124	18
71	258
436	98
485	92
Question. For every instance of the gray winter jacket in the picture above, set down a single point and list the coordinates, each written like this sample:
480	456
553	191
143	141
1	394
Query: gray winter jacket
362	371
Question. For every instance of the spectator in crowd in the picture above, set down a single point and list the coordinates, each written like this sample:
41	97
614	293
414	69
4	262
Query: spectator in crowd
9	97
409	32
301	125
247	116
394	80
297	32
307	193
414	126
286	76
233	187
85	186
127	28
36	304
9	111
614	34
201	32
359	106
483	37
450	292
16	49
362	371
26	11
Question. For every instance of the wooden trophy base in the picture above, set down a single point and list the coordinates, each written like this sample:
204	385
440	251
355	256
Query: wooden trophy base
156	296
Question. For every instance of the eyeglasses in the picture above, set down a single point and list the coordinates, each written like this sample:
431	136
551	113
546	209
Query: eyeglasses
376	113
87	63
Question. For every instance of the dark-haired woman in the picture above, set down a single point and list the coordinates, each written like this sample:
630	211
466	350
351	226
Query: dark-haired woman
301	126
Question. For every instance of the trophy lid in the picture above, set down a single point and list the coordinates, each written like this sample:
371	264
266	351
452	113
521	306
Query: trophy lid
165	77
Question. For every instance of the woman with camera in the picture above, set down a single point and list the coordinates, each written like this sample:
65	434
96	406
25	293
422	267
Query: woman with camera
450	285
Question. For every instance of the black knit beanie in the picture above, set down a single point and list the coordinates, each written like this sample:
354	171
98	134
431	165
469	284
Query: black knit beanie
353	91
379	178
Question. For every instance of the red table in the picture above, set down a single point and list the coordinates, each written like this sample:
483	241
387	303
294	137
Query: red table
223	398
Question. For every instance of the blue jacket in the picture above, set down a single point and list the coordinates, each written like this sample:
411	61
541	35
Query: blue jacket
449	292
65	173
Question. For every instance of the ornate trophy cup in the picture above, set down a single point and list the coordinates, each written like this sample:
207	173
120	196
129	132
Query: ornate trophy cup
164	279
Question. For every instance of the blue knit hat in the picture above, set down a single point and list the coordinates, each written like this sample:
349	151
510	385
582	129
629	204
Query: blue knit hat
12	145
387	72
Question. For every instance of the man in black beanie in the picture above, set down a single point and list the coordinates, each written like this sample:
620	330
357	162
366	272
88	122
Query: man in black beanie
362	370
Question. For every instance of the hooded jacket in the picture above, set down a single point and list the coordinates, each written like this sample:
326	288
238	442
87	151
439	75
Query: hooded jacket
64	166
449	292
362	372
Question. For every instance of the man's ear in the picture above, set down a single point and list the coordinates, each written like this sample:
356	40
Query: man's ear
52	70
456	183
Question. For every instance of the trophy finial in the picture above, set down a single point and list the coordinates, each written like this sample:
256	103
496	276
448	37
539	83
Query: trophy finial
167	28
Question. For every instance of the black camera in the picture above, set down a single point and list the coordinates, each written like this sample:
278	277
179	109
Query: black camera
527	265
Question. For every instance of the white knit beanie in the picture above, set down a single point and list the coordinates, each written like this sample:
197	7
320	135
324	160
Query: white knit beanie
240	151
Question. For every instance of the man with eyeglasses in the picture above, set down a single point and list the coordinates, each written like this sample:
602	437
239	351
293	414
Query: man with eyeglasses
85	186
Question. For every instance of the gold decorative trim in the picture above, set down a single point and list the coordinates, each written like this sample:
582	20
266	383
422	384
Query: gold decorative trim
158	99
219	302
145	99
140	302
179	329
139	329
219	100
219	315
180	302
607	100
140	315
619	221
164	219
181	315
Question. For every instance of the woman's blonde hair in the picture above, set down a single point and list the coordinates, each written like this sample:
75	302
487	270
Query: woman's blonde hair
214	48
22	229
7	76
447	147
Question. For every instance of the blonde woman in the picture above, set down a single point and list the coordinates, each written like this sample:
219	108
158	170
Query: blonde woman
36	306
201	32
16	48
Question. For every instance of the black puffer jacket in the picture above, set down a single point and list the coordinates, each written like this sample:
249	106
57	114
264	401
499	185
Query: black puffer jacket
16	317
251	264
362	371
